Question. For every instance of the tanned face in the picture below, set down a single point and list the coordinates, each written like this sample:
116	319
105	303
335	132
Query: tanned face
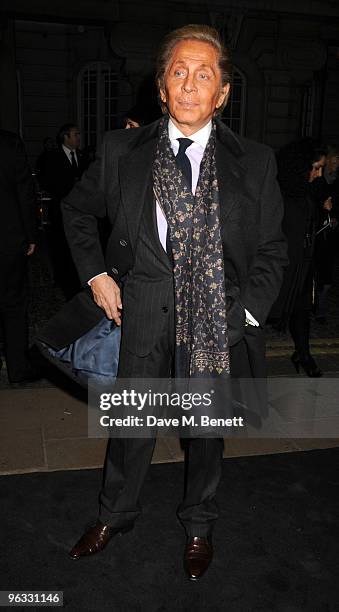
192	89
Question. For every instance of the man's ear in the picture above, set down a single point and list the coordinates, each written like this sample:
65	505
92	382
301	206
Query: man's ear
224	93
162	93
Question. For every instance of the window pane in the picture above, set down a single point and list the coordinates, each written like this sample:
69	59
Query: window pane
98	104
233	113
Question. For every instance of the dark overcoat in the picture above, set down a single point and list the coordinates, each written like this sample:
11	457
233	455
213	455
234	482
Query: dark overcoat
56	174
17	196
251	212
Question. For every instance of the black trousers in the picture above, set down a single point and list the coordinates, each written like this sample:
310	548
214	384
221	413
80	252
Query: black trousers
13	312
127	460
64	271
299	323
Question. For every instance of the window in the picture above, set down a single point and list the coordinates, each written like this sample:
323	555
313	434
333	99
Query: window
234	113
98	100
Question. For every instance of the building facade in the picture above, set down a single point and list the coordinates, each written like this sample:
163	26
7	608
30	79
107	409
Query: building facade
91	61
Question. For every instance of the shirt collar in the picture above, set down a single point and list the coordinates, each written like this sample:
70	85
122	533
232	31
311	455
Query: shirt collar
200	137
68	151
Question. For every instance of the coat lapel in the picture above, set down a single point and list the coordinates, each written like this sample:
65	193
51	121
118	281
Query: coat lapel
135	170
230	170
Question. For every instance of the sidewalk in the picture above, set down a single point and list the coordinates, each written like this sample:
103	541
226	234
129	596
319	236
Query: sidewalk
44	427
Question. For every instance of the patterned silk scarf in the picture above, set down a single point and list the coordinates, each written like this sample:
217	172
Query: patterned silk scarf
199	283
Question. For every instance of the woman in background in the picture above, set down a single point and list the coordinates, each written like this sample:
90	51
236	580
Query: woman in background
299	165
327	239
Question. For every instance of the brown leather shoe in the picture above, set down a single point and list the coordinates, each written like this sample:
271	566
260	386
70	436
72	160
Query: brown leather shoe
198	555
95	539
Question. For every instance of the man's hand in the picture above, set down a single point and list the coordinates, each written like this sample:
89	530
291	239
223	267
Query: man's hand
30	250
106	294
328	204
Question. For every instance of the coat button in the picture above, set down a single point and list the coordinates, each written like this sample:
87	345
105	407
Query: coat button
164	309
115	271
123	242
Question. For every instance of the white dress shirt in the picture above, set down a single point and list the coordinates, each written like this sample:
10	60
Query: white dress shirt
195	154
67	152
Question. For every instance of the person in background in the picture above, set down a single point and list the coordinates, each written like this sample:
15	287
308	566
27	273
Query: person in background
299	165
330	175
133	118
17	244
66	164
61	169
49	146
327	191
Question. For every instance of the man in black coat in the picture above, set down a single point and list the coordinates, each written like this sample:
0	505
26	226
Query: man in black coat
190	281
17	243
60	170
63	166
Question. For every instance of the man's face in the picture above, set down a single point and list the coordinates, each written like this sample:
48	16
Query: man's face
192	85
72	141
317	169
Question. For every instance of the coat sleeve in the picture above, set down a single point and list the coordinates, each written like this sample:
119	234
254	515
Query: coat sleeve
266	272
81	209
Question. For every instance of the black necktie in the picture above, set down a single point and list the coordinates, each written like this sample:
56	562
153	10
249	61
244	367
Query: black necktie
183	161
185	166
73	161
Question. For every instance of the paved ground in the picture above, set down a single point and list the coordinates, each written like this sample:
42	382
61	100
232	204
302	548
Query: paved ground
44	425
